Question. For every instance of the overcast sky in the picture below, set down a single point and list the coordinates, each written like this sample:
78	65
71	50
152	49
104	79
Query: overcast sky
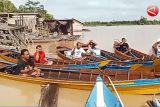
97	10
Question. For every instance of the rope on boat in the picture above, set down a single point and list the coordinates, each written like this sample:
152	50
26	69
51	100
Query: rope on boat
49	96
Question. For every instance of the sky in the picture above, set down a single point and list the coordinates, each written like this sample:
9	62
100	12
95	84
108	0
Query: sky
97	10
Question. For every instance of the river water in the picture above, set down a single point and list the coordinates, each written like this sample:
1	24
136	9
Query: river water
138	37
15	93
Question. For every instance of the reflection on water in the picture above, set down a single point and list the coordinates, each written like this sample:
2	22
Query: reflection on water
139	37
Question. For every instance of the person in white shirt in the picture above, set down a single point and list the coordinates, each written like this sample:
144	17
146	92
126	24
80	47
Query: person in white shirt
78	51
92	49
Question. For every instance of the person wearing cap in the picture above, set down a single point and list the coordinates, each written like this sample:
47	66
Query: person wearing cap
158	48
92	49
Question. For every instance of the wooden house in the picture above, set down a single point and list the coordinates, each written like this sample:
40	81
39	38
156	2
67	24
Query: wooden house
29	20
64	26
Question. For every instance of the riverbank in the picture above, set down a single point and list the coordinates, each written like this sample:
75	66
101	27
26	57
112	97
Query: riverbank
141	21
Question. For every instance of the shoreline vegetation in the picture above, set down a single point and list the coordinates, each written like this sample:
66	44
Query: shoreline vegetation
141	21
29	7
36	7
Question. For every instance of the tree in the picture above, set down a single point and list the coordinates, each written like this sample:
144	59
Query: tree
7	6
35	7
143	20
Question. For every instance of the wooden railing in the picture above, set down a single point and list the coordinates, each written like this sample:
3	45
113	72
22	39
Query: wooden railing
91	75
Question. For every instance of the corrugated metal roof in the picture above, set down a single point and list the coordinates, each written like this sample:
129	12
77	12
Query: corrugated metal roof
12	14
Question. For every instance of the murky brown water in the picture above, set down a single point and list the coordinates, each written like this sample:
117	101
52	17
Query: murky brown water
140	37
15	93
77	98
20	93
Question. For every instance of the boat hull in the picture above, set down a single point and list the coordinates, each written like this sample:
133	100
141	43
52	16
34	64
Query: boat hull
84	85
136	55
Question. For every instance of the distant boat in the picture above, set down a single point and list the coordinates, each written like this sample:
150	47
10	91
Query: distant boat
133	54
101	96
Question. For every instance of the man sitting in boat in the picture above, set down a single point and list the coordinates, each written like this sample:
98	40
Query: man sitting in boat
39	56
92	49
78	52
158	48
26	66
123	46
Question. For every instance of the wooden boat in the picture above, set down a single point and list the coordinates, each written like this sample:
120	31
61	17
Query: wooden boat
4	64
83	81
104	55
61	53
133	55
125	81
101	96
110	65
12	56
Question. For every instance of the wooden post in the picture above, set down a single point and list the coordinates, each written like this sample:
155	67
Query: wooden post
128	74
141	75
49	96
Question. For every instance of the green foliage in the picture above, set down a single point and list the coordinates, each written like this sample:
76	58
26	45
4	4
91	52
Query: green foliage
141	21
34	7
7	6
29	7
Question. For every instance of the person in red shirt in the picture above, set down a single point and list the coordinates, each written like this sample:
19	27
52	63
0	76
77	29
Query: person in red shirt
39	56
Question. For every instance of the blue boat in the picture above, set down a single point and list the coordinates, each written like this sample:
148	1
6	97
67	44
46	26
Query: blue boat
101	96
126	65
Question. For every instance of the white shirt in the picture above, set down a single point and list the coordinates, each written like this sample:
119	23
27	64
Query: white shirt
78	53
95	51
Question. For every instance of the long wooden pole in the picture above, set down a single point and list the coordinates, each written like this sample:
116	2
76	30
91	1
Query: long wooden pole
112	87
115	91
